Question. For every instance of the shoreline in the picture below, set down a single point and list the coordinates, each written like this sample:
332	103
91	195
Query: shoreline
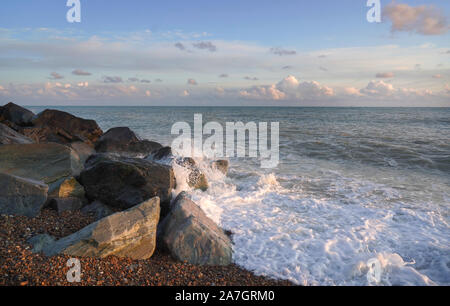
20	267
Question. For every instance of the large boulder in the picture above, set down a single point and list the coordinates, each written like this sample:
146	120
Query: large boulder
51	163
123	140
20	196
130	234
9	136
190	236
123	182
62	127
83	150
16	114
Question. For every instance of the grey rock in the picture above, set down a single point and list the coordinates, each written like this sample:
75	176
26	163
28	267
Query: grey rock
123	182
51	163
98	210
130	234
123	140
190	236
83	150
20	196
16	114
62	205
39	242
9	136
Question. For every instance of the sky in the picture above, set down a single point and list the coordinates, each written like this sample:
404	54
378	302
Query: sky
227	53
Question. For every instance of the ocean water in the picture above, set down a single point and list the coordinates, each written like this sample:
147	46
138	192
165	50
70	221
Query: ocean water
353	184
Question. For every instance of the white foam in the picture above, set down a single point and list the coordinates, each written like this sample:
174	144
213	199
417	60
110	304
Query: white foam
288	233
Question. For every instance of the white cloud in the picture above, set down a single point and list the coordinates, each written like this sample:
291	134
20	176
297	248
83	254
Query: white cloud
424	19
289	89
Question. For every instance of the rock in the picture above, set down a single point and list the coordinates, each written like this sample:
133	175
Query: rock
190	236
69	188
97	209
221	165
130	234
41	241
163	153
83	150
64	128
16	114
62	205
51	163
123	182
20	196
9	136
196	179
123	140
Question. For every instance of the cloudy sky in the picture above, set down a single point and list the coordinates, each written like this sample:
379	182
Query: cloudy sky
233	52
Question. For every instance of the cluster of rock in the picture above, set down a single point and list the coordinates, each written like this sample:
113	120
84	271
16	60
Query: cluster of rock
66	163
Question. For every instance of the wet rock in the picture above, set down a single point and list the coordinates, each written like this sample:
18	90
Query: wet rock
16	114
221	165
51	163
10	136
190	236
61	127
162	153
20	196
123	182
130	234
123	140
196	179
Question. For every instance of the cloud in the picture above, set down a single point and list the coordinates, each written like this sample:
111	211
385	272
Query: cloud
437	76
251	78
185	93
322	56
323	68
146	81
205	45
282	52
287	67
424	19
384	75
55	76
148	93
378	88
112	79
81	72
289	89
223	75
263	92
192	82
180	46
158	80
133	80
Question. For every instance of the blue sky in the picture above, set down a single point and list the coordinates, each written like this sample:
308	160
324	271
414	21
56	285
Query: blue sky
267	52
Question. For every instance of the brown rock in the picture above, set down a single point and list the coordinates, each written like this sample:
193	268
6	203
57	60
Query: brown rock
62	127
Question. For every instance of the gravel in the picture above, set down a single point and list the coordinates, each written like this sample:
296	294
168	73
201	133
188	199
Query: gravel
20	267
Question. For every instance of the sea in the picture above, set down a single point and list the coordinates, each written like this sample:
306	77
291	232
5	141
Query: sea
354	187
